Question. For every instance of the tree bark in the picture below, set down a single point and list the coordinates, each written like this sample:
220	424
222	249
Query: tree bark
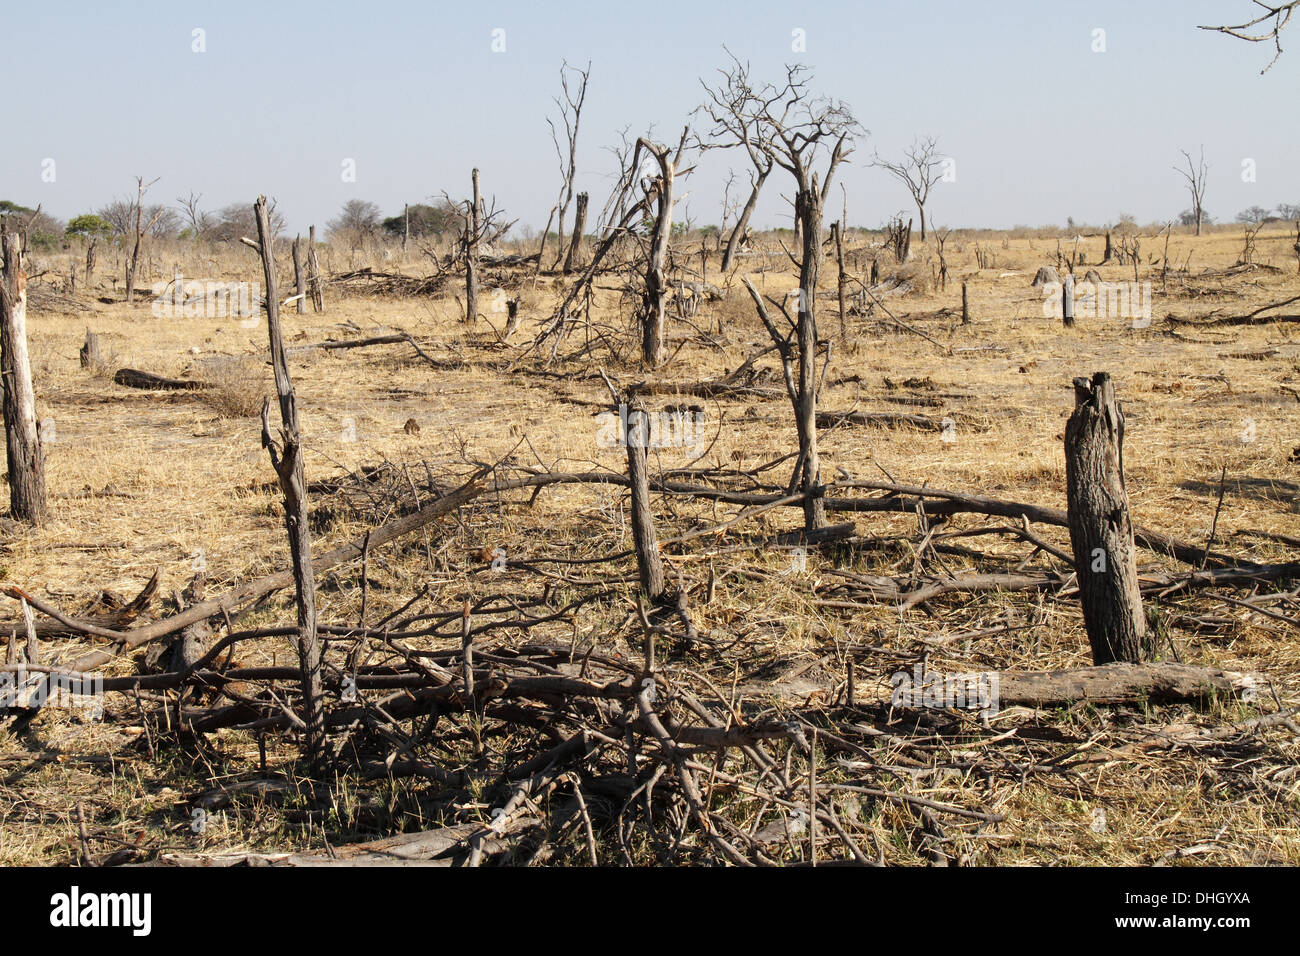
649	563
579	227
738	233
1101	532
288	464
25	456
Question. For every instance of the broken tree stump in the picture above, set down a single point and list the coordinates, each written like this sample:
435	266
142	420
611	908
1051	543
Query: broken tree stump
1101	531
91	356
1067	302
26	458
649	563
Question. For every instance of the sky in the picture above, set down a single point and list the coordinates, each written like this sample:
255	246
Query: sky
1043	117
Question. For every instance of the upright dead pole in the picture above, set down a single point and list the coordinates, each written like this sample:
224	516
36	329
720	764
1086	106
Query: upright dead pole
472	227
1101	532
579	227
656	284
1067	301
299	276
314	280
406	226
141	187
837	231
965	306
637	436
287	461
22	439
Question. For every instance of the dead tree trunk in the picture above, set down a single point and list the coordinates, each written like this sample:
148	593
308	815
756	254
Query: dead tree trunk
649	564
579	227
738	233
656	284
314	280
90	261
286	458
965	307
808	206
22	440
299	276
1100	530
406	226
472	227
1067	302
837	230
91	356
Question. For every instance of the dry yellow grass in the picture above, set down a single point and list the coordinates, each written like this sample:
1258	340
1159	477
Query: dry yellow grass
140	480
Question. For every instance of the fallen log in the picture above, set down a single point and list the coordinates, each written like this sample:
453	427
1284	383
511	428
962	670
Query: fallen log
134	378
1119	684
884	419
349	344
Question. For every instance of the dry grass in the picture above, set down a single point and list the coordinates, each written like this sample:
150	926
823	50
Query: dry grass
140	480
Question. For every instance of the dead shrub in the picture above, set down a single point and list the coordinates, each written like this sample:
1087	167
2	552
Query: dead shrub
237	386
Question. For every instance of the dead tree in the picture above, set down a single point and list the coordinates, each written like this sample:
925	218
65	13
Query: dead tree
199	220
730	107
939	239
837	231
473	223
286	458
793	128
1195	175
141	187
571	117
965	306
482	226
579	227
659	191
314	279
918	170
299	276
898	238
1101	532
1067	301
22	439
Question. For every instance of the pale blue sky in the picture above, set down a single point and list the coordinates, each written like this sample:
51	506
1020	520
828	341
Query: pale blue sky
1040	126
